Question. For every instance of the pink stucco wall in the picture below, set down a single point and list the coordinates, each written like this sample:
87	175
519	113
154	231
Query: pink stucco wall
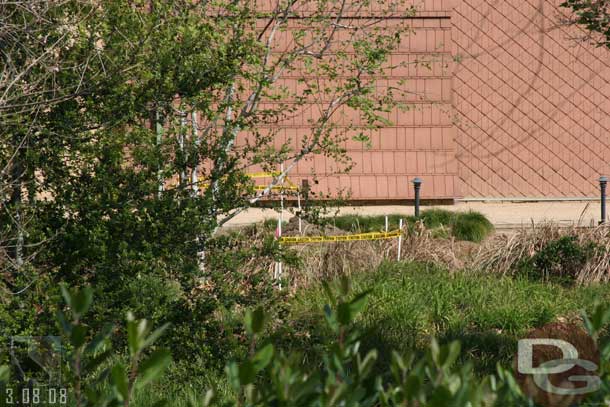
532	103
512	107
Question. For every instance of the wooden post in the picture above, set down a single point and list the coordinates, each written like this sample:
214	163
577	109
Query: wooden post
299	212
399	240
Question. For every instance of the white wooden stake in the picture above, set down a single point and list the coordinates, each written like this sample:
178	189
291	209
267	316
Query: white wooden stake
197	141
181	145
279	229
299	205
159	129
386	223
399	239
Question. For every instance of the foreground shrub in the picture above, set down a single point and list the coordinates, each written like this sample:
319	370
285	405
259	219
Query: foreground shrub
269	377
94	372
348	375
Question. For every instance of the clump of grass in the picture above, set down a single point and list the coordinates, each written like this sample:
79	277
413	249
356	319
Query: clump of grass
471	226
468	226
434	218
271	224
355	223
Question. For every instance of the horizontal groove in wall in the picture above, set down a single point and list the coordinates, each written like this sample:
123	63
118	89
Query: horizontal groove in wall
369	17
526	199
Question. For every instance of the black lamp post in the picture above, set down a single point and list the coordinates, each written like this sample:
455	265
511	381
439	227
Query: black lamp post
417	186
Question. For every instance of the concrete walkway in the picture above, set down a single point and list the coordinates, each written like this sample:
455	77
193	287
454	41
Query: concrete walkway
501	214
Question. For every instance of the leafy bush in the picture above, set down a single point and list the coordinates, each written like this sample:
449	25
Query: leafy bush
561	259
471	226
94	372
510	255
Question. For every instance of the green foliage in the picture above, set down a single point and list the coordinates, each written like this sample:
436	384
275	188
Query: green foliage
594	16
347	376
119	157
409	302
91	372
471	226
559	260
366	223
434	218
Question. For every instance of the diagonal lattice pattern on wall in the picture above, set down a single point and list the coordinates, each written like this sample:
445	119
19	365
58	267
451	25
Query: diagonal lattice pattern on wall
532	102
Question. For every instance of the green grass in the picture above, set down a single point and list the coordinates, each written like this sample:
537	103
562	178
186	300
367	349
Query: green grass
470	226
178	394
271	223
411	302
434	218
355	223
408	304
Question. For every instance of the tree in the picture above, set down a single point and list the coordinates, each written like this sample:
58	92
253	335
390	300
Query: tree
33	39
148	117
594	15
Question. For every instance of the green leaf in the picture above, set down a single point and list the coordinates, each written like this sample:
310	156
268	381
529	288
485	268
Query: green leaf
358	303
152	368
99	339
254	321
208	398
344	315
78	336
156	334
344	285
247	373
66	294
263	357
5	372
412	387
81	301
100	358
232	371
435	351
63	323
440	397
452	353
365	366
133	340
120	384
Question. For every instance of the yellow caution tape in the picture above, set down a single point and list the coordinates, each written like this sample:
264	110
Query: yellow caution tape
287	186
340	238
263	174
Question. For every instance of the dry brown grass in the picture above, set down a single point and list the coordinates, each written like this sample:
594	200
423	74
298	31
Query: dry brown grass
499	254
502	253
329	260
